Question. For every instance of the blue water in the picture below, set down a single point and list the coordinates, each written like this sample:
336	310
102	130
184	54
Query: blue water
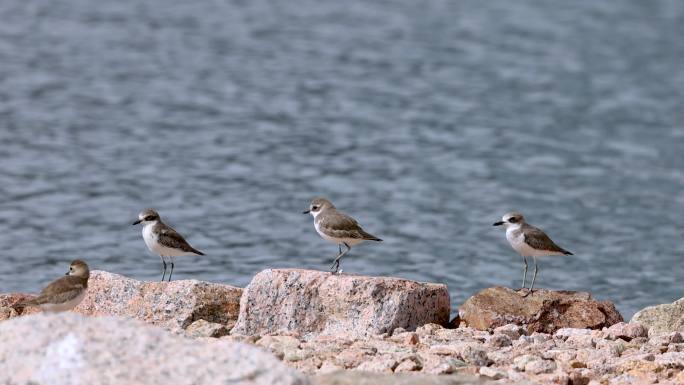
425	120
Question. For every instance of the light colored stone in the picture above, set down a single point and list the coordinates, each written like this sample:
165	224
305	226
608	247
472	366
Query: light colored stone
428	329
580	341
316	302
626	331
499	341
564	333
473	354
70	349
329	367
437	364
540	366
666	339
173	305
661	319
493	373
378	364
543	311
513	331
520	362
280	345
674	360
204	328
408	365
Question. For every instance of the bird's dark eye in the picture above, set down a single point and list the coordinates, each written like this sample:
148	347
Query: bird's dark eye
149	218
513	220
314	208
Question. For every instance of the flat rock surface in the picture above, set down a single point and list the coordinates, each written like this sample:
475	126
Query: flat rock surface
542	311
68	348
662	319
314	302
173	305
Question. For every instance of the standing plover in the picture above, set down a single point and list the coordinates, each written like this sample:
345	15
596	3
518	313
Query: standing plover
64	293
528	241
337	227
163	240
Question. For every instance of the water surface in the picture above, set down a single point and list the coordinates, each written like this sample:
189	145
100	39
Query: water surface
425	120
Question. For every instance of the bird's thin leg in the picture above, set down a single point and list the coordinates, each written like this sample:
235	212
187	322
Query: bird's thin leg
164	270
533	277
171	273
336	263
524	272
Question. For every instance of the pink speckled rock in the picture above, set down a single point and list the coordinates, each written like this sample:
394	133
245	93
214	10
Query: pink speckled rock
543	311
626	331
69	349
9	308
173	305
315	302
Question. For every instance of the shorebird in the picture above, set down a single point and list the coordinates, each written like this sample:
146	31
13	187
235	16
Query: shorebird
337	227
64	293
528	241
162	240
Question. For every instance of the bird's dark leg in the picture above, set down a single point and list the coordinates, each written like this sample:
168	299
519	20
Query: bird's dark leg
164	264
336	263
534	277
171	273
524	272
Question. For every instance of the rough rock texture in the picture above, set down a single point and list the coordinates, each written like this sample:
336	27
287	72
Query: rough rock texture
314	302
662	319
543	311
366	378
507	355
173	305
68	348
9	308
204	328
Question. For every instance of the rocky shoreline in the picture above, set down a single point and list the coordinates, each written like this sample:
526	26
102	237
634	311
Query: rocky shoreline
294	326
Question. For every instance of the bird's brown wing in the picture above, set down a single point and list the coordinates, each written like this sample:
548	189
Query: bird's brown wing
170	238
340	225
538	239
62	290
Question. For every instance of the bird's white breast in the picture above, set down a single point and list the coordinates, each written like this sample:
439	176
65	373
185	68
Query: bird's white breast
150	238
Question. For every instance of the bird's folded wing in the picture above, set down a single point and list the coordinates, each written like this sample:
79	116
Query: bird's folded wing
59	291
170	238
340	225
537	239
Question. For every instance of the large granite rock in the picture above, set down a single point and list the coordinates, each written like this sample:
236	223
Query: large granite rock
314	302
69	349
543	311
662	319
173	305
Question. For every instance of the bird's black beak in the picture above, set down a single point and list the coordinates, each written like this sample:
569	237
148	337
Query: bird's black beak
136	222
498	223
306	212
67	273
